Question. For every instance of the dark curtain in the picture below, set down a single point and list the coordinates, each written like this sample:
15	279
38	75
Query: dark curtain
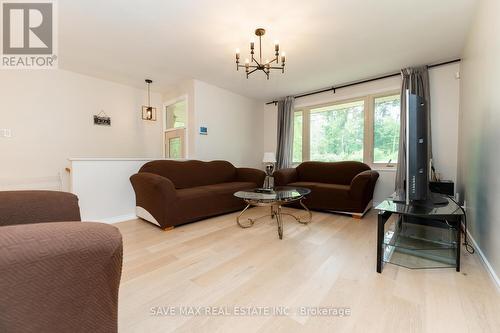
416	80
285	133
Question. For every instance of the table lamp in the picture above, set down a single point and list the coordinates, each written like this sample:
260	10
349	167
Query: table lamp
269	159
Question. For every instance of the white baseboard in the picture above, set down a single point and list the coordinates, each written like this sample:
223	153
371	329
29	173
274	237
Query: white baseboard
116	219
485	261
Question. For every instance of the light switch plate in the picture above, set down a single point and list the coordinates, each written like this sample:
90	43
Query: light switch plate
5	133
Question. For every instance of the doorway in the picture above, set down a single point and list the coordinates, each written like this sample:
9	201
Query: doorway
174	143
174	129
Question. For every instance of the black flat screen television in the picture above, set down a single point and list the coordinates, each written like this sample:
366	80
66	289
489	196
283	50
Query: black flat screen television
417	154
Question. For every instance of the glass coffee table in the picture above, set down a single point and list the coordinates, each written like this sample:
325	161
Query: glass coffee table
274	199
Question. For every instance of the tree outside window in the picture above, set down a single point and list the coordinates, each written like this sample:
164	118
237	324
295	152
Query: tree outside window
364	129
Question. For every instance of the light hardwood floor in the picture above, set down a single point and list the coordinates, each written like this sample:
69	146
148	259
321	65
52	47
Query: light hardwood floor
328	263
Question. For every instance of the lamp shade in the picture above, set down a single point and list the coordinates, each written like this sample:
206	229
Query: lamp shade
269	158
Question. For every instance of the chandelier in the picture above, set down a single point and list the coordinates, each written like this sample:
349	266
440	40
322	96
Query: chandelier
254	65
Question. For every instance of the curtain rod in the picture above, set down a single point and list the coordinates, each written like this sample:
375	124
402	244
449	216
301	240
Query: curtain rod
334	89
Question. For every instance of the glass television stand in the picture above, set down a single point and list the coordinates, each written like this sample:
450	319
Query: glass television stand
419	236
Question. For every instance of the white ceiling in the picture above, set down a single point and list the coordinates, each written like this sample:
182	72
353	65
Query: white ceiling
327	41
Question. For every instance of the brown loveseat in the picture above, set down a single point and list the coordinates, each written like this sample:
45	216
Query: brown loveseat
56	276
337	186
169	193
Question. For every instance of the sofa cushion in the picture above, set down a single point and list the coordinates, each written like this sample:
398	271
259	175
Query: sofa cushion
191	193
25	207
209	200
209	190
309	185
333	188
327	196
228	188
332	196
186	174
59	277
330	172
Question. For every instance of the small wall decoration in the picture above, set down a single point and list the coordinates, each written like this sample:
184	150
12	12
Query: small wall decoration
102	119
203	130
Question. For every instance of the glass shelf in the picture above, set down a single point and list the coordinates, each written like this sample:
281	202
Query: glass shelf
419	246
421	210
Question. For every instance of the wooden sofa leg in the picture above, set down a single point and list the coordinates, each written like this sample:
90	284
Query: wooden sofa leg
171	227
360	216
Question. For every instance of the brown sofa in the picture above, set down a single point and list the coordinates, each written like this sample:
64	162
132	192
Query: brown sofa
56	275
169	193
336	186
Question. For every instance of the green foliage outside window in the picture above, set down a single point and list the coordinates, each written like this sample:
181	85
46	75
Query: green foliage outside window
297	137
337	132
174	147
386	129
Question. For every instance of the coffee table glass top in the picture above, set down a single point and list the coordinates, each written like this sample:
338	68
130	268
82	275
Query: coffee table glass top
279	193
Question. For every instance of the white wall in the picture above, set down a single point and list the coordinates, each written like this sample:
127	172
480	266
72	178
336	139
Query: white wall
234	124
479	132
445	96
50	113
445	106
103	188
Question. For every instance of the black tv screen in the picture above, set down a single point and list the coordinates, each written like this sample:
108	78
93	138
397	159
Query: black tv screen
417	182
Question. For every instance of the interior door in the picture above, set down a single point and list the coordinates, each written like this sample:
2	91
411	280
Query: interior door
174	143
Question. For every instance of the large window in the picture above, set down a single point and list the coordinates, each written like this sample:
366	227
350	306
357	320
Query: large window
337	132
386	129
365	129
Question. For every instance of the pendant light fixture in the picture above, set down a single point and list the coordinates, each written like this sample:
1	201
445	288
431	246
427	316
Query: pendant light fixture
149	112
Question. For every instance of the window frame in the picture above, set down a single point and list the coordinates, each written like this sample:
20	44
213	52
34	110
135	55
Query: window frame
368	127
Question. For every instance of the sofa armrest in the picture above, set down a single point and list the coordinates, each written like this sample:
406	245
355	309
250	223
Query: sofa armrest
285	176
24	207
60	277
154	193
363	185
250	175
